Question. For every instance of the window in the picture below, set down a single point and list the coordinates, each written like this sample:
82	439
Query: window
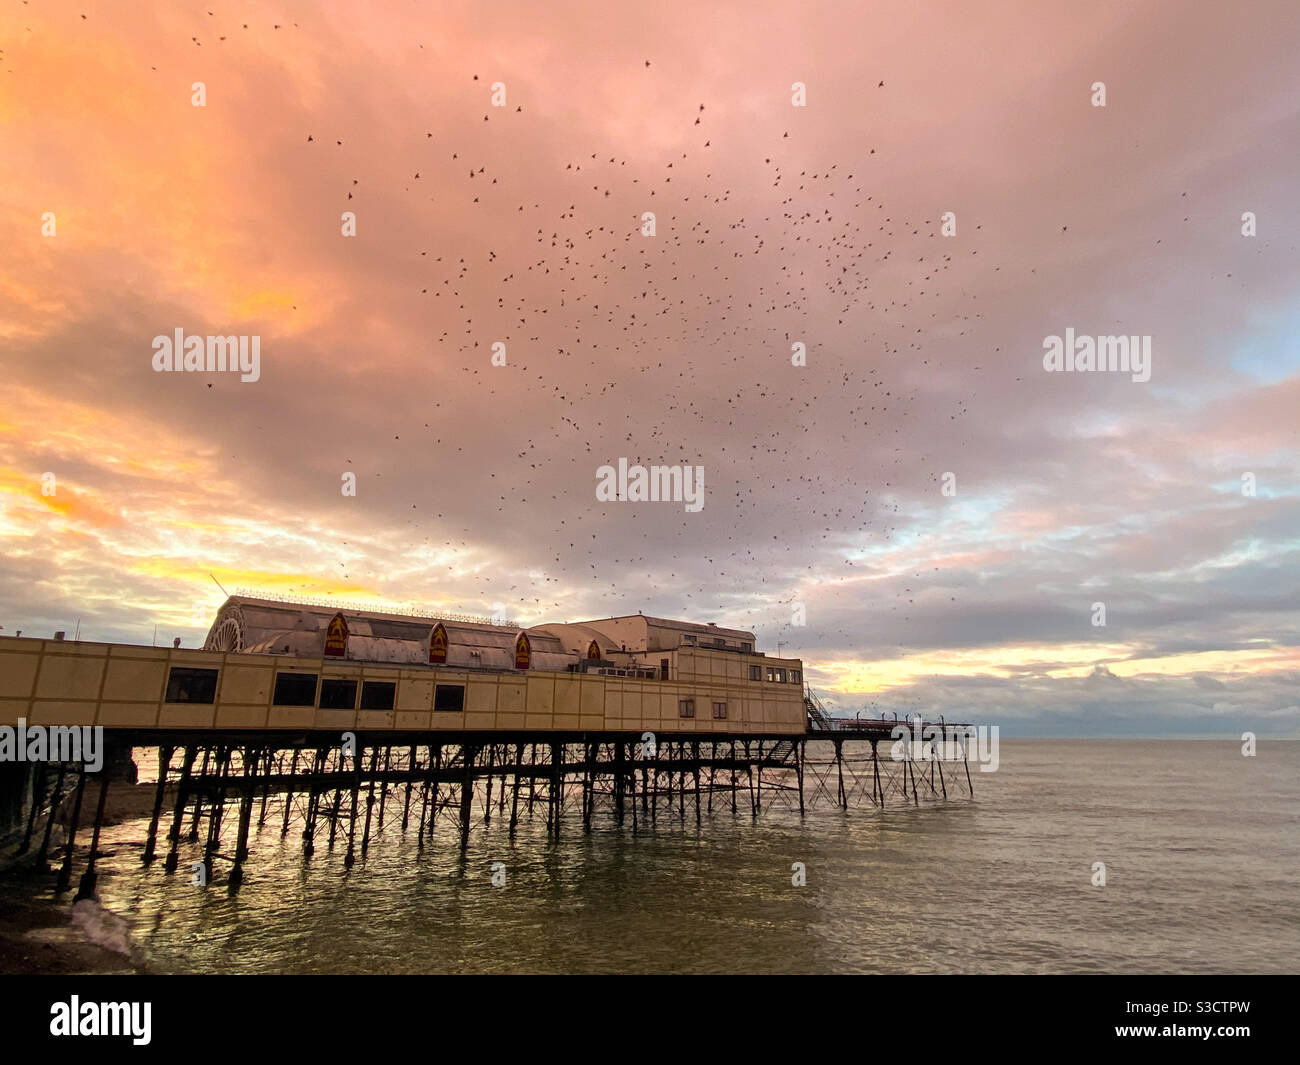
755	672
295	689
771	674
796	677
780	676
748	648
689	641
719	711
338	694
663	669
718	641
686	708
450	697
378	694
191	685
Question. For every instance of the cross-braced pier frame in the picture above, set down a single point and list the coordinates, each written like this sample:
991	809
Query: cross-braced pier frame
219	790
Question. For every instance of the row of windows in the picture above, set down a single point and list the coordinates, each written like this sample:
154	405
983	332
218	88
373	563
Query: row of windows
188	685
610	671
716	642
776	674
686	708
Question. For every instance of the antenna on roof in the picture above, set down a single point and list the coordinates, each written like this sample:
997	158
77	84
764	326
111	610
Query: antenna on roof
218	584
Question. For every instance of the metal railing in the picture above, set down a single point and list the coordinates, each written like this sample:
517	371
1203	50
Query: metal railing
411	611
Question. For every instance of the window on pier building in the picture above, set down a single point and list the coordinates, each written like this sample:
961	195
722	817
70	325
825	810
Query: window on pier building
338	694
186	685
295	689
755	672
796	677
686	708
378	694
663	669
719	711
449	697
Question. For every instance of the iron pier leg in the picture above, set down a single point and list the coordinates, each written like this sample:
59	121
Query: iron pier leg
247	791
151	839
38	797
618	781
65	871
178	815
86	889
410	780
288	793
56	801
370	802
799	756
466	796
383	792
514	788
359	759
198	797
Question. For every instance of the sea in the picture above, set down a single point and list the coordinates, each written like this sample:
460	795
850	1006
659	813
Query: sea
1117	856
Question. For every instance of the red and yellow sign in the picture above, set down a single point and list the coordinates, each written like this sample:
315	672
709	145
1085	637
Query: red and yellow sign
593	651
336	637
523	651
438	644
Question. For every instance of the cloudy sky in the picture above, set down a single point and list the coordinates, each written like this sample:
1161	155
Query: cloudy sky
126	212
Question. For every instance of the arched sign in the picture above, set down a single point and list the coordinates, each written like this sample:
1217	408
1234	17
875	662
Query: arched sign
523	651
336	637
438	644
593	651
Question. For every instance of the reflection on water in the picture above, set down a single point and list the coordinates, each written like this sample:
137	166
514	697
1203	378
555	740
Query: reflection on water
1201	848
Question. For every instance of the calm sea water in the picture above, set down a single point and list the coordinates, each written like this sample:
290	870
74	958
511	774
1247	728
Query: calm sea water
1201	847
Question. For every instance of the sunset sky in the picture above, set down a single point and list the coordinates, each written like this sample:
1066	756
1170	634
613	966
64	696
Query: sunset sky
774	224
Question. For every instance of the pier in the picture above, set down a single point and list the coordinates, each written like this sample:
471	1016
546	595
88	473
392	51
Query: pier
219	791
345	726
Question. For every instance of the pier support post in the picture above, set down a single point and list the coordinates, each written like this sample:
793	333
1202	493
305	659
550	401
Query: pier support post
410	781
557	781
799	755
618	781
514	788
370	802
198	798
65	871
178	815
246	794
56	800
38	798
466	796
151	839
288	794
86	889
358	761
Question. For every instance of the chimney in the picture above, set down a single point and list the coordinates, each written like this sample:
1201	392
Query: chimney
176	642
60	634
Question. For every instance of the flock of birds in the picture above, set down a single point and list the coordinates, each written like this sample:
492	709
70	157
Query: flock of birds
666	349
